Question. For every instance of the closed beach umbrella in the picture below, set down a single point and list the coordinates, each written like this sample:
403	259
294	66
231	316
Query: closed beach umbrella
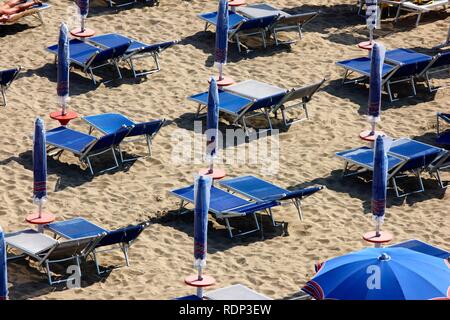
379	182
376	68
372	16
3	268
212	124
220	55
83	6
381	274
62	87
39	165
202	190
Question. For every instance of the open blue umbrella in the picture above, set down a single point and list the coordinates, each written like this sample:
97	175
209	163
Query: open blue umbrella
3	268
220	55
212	124
39	165
381	274
62	87
202	190
379	181
375	84
83	6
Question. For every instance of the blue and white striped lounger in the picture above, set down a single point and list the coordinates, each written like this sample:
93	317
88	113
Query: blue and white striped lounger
108	123
84	145
225	205
77	228
136	50
90	57
423	247
261	190
404	155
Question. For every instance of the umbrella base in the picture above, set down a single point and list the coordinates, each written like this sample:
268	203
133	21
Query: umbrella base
368	136
384	237
63	118
217	174
366	45
226	81
45	218
194	282
86	33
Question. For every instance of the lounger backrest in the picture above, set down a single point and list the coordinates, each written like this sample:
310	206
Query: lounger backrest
123	235
108	140
8	76
74	247
146	128
295	19
111	53
440	60
305	93
158	47
263	103
257	23
410	69
443	161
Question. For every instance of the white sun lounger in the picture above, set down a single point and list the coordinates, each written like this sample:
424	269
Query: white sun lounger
235	292
409	6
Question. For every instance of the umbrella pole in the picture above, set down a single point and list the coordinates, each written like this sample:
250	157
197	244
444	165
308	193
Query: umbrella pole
40	209
371	35
200	278
82	24
220	72
211	167
372	132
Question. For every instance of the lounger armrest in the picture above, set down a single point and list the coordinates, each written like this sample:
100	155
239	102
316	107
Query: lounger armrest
302	193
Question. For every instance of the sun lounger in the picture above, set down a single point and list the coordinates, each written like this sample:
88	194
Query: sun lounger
48	251
235	292
225	205
442	137
240	26
6	79
123	3
84	145
137	50
423	247
440	163
260	190
251	98
89	57
79	228
405	155
401	65
108	123
439	63
418	9
33	11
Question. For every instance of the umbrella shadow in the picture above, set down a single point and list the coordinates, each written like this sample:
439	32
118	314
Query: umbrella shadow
358	94
360	187
218	239
30	282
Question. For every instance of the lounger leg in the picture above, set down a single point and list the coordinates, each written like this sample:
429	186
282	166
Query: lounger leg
227	223
413	86
275	37
394	182
156	57
238	43
39	14
397	15
206	26
418	19
388	88
149	145
49	275
96	263
125	253
118	70
300	34
439	180
298	206
89	165
263	36
269	211
266	112
4	96
91	75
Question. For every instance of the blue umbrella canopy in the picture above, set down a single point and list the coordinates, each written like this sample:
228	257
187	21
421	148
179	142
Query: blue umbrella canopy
379	181
212	122
381	274
3	268
202	190
39	164
220	54
376	67
62	87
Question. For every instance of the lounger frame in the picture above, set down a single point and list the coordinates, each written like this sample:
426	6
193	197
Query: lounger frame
434	169
274	29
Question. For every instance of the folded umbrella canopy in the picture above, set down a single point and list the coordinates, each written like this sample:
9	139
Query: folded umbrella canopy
375	84
220	55
62	87
3	268
212	124
382	274
39	165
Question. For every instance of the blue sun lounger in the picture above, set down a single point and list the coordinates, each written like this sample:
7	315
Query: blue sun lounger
78	228
108	123
239	25
84	145
401	65
403	156
260	190
423	247
90	57
6	79
136	50
225	205
442	137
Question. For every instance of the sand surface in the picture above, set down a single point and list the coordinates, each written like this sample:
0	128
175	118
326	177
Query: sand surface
277	265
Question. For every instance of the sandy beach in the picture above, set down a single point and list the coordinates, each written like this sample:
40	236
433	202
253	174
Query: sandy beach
278	265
